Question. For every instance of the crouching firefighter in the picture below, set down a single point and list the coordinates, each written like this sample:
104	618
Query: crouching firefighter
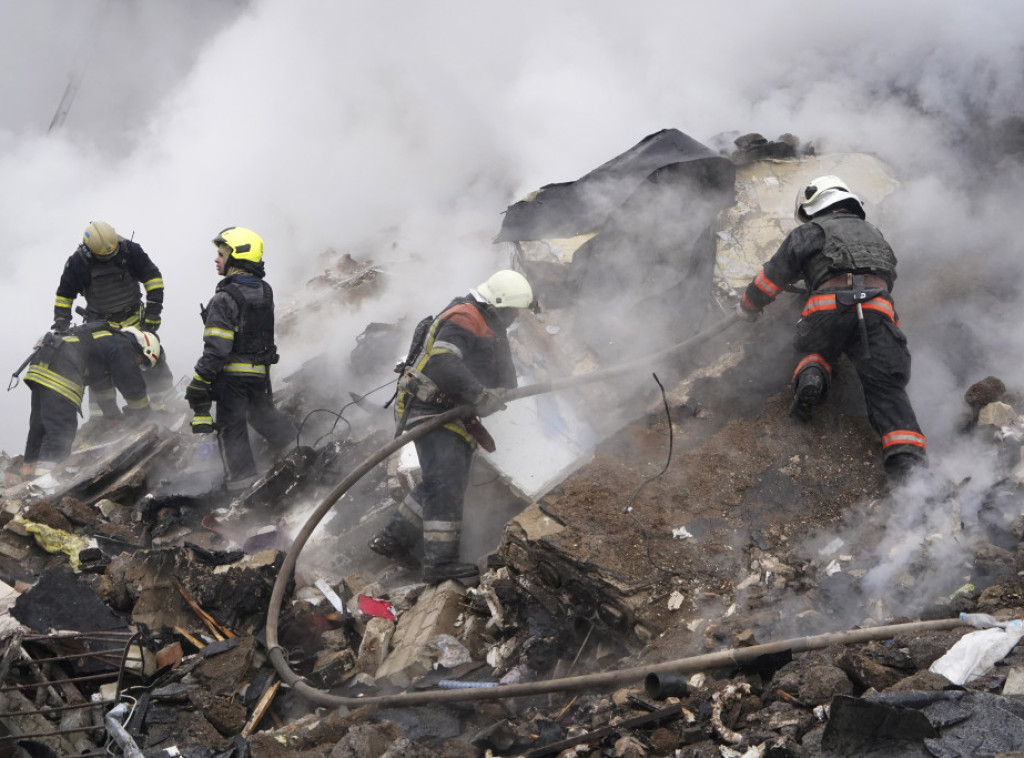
92	355
849	270
461	357
238	351
113	272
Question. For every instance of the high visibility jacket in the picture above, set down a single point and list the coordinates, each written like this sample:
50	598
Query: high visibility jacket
112	287
91	355
238	333
466	350
836	243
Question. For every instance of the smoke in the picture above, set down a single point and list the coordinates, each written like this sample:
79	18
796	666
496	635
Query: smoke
405	130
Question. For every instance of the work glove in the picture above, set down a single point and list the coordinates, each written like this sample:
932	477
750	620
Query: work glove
198	393
150	325
202	421
61	326
745	313
490	401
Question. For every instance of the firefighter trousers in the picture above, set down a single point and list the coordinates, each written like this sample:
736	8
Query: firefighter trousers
52	425
434	507
884	370
243	401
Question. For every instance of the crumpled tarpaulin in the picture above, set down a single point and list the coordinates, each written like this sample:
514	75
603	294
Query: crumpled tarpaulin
945	724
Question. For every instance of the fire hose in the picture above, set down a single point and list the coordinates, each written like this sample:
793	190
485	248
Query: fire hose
591	681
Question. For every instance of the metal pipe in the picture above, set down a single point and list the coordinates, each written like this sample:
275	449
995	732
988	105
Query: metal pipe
606	679
55	708
89	678
116	730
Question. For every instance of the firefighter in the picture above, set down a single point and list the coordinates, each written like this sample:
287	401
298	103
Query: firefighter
238	351
91	355
460	357
111	272
849	270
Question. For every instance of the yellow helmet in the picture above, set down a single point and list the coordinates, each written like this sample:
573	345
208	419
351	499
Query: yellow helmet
507	289
821	193
148	344
244	244
100	239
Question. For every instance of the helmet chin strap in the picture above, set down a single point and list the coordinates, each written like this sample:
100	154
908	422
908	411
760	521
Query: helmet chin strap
507	316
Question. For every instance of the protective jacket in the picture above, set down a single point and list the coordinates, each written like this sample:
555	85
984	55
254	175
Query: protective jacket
238	350
849	270
817	251
238	337
465	351
95	356
112	287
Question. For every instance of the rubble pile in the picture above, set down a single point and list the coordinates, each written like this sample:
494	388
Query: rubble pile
173	632
687	573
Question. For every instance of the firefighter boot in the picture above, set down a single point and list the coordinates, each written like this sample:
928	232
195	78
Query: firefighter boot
809	392
441	562
899	466
400	542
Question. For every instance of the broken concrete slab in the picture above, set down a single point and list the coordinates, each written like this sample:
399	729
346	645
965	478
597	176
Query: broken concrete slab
750	231
435	613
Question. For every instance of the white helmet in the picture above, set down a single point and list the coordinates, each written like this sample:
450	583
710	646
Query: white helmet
820	194
507	289
100	239
148	343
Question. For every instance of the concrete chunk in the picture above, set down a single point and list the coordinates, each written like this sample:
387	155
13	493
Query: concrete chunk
436	613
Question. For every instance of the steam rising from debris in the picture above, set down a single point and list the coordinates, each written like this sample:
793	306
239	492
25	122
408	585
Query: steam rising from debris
409	128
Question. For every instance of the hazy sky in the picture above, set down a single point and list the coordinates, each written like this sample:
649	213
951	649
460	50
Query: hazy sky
319	123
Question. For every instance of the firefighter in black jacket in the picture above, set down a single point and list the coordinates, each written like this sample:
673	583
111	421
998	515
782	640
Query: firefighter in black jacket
463	358
92	355
849	270
238	350
111	272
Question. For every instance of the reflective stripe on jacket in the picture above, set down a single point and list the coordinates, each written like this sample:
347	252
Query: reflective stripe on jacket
827	302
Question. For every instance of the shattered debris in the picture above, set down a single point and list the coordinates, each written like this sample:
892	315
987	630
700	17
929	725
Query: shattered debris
672	576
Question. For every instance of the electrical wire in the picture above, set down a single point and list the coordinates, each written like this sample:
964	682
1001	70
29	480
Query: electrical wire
628	509
338	416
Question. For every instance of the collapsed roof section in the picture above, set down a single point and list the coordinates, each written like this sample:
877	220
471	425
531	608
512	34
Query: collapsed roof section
637	234
568	209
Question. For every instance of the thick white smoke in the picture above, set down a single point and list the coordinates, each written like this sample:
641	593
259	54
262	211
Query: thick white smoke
319	123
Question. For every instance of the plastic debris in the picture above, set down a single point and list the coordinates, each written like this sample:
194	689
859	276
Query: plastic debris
977	652
454	684
371	606
452	652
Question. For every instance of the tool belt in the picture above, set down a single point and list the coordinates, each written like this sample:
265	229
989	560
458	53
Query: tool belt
422	388
849	281
851	290
127	317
